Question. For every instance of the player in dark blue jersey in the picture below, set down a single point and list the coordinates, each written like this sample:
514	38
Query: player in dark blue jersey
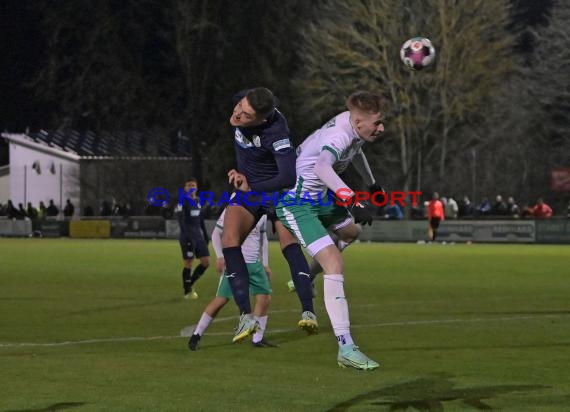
193	238
265	166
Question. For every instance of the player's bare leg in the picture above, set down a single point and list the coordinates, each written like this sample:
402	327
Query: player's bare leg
210	312
342	237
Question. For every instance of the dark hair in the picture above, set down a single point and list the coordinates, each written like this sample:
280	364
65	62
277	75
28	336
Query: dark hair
262	101
366	101
191	179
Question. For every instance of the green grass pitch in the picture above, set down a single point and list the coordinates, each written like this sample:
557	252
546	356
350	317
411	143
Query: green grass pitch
94	325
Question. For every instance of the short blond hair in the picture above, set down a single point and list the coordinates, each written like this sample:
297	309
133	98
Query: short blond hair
364	101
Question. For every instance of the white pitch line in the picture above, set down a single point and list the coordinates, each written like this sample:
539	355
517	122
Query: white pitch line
273	331
87	341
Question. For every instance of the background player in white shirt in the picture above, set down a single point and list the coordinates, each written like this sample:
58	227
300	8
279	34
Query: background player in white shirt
256	254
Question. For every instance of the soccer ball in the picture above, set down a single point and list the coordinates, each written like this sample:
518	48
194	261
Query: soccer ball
417	53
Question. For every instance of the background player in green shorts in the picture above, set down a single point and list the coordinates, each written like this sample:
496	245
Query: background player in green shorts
255	250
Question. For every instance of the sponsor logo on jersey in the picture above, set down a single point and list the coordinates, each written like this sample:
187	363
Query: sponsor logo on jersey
281	144
241	139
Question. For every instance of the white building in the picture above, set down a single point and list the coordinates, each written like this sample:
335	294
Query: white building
39	172
4	184
88	169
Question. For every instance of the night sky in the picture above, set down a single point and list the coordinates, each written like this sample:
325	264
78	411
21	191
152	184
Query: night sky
22	48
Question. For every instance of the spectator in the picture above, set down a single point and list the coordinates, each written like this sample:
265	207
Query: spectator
451	208
435	215
105	209
69	209
512	208
32	211
116	208
11	211
166	211
88	211
127	210
21	212
416	212
42	212
484	208
500	207
52	209
541	210
394	212
465	207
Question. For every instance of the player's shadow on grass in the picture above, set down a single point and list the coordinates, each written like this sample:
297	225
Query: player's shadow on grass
52	408
430	395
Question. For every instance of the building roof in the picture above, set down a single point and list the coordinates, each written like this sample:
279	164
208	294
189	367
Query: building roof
122	145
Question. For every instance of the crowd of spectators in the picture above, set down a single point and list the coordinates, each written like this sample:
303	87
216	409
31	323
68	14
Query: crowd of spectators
461	209
31	212
68	211
499	209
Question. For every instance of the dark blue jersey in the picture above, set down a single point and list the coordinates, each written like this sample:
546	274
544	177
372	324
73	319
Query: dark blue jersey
265	154
191	221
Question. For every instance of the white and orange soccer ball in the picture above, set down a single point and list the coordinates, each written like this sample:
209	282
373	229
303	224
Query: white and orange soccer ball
417	53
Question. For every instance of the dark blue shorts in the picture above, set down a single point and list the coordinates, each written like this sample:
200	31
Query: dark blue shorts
257	204
193	248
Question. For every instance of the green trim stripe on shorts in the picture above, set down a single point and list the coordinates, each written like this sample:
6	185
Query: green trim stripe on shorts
292	224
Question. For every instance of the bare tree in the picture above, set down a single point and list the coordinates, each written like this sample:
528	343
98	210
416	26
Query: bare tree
526	129
169	65
355	44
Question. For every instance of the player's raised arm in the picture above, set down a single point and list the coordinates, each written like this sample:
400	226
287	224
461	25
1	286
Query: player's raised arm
324	171
285	158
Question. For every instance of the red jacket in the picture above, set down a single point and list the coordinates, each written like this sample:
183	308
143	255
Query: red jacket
435	209
542	210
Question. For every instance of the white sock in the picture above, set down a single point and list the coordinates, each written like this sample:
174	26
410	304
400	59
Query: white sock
258	336
203	324
337	308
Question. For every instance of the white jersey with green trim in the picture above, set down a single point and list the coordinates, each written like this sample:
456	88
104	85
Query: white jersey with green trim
338	137
253	244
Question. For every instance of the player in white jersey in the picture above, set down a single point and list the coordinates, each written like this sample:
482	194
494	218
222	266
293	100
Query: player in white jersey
309	210
335	134
338	137
255	252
